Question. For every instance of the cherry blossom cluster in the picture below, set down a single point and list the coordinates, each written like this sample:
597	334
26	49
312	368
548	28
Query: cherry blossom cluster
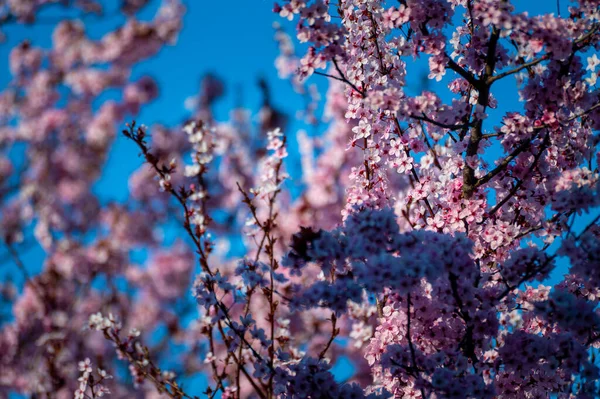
88	382
141	366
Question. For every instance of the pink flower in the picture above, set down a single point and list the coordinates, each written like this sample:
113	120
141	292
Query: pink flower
403	163
363	130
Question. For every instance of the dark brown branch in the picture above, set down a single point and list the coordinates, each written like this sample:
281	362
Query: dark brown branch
345	79
334	332
469	77
425	118
577	45
413	171
492	79
524	146
467	344
521	181
469	179
410	342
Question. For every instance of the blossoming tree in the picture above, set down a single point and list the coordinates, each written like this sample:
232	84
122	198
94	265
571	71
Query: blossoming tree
420	248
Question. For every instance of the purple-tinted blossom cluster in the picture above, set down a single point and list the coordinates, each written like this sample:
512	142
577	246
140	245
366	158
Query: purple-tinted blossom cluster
584	254
525	265
371	249
572	314
312	378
